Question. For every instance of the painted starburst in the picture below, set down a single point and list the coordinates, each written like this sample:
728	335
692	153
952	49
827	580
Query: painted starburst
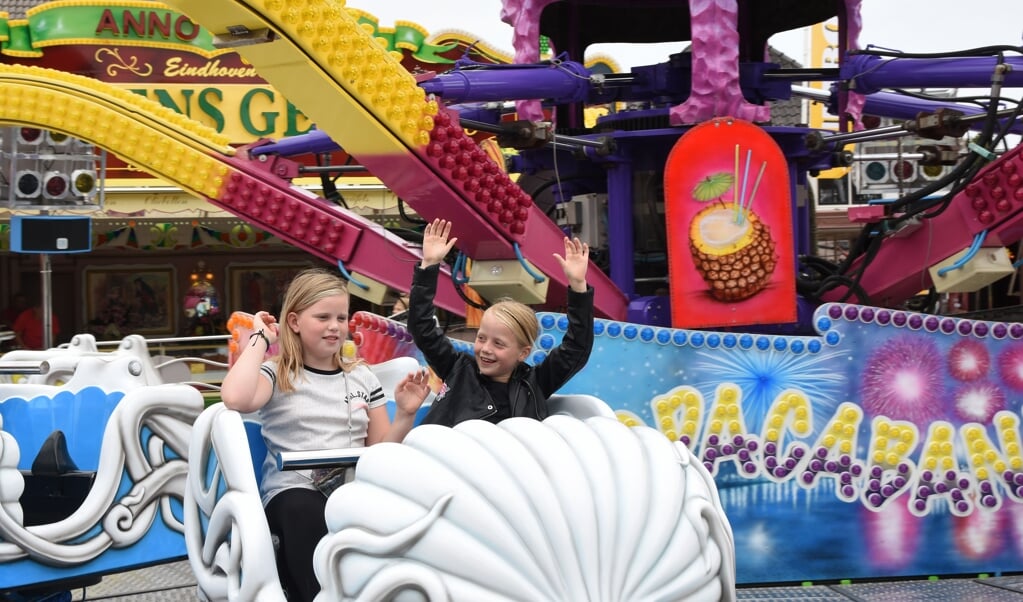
1010	367
903	380
968	360
978	402
763	375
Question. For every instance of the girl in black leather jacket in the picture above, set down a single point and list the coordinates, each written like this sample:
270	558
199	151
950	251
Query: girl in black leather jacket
494	383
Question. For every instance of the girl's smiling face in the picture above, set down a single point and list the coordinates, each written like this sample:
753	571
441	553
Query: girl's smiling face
497	351
322	328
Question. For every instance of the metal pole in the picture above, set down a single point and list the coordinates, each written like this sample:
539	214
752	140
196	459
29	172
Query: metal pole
24	367
888	156
47	302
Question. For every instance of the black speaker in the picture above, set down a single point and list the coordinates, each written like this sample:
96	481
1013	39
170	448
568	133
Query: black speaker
51	234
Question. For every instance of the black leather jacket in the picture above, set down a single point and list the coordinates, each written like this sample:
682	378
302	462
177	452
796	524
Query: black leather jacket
465	395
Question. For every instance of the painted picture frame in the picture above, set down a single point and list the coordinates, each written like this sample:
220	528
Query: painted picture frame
122	300
731	255
253	287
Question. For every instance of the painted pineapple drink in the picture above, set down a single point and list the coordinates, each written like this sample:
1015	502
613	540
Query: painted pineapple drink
734	255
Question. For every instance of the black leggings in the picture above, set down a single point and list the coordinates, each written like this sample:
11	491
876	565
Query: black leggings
295	516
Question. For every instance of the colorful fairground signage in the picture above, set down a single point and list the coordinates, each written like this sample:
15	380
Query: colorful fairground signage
160	53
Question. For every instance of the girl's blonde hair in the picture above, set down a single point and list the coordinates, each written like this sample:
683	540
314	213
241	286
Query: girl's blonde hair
305	289
519	318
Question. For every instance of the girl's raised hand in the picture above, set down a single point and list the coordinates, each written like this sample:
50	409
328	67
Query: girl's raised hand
575	263
262	320
412	390
436	244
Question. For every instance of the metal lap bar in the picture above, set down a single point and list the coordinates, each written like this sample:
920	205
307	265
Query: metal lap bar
23	367
319	458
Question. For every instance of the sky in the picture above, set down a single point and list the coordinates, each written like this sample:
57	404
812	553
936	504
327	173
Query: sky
908	25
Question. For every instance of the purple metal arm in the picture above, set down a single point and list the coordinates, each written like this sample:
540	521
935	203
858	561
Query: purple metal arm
868	74
899	106
563	82
315	141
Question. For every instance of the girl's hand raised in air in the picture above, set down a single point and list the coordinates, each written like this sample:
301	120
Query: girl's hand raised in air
575	263
268	324
436	245
410	393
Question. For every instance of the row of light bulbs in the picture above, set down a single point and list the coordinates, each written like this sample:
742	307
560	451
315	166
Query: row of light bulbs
29	136
52	184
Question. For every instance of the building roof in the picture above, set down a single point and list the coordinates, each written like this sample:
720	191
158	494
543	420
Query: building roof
786	112
16	9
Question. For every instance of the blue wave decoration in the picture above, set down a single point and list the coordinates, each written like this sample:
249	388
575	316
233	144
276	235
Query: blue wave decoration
133	513
82	415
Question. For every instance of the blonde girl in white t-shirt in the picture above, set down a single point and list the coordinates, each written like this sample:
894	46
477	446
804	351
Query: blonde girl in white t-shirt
308	397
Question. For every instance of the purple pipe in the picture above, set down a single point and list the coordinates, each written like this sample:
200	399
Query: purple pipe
316	141
619	231
898	106
869	73
562	83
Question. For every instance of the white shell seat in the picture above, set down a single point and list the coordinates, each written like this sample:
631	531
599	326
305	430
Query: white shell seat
554	510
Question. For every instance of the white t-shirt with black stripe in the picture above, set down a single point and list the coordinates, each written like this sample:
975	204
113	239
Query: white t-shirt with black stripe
326	410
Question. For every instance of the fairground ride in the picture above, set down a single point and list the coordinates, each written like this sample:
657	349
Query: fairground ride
817	385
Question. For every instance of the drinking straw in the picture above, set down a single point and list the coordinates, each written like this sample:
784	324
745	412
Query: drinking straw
753	193
735	183
745	178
